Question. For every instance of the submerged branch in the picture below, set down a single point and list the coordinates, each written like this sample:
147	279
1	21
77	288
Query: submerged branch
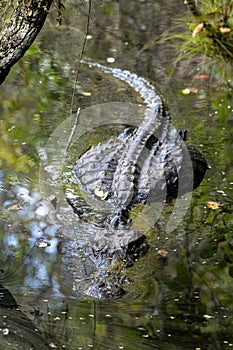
19	34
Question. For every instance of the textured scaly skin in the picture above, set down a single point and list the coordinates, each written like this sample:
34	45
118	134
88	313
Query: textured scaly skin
125	171
124	175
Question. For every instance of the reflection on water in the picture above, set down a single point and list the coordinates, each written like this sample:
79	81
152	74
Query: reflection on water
179	294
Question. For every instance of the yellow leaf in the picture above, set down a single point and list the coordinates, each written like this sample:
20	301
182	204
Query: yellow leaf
197	29
224	30
213	205
85	93
186	91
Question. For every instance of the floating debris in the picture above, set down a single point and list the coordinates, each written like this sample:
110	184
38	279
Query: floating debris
42	244
14	207
201	76
224	30
85	93
213	205
5	331
53	199
163	253
101	194
188	90
110	59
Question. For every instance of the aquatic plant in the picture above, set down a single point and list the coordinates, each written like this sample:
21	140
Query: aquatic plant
207	32
210	35
212	28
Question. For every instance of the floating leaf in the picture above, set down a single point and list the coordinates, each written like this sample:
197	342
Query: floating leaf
224	30
53	199
163	253
186	91
193	90
207	317
213	205
14	207
42	244
85	93
201	76
101	194
110	60
221	192
5	331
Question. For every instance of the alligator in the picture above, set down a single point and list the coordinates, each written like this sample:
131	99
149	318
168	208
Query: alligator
143	165
151	163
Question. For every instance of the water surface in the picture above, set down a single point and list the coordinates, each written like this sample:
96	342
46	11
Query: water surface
180	291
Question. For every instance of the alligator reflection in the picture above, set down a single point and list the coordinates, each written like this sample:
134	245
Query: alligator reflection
46	253
182	298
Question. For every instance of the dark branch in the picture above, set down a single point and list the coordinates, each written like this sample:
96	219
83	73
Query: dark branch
19	34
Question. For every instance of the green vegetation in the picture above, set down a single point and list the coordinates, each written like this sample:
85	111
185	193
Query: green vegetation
209	35
212	29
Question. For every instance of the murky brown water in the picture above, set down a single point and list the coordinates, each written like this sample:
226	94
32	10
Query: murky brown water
180	291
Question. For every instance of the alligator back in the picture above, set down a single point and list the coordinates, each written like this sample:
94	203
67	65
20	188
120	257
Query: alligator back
142	86
144	165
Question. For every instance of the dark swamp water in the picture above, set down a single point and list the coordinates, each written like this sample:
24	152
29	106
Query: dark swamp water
180	292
